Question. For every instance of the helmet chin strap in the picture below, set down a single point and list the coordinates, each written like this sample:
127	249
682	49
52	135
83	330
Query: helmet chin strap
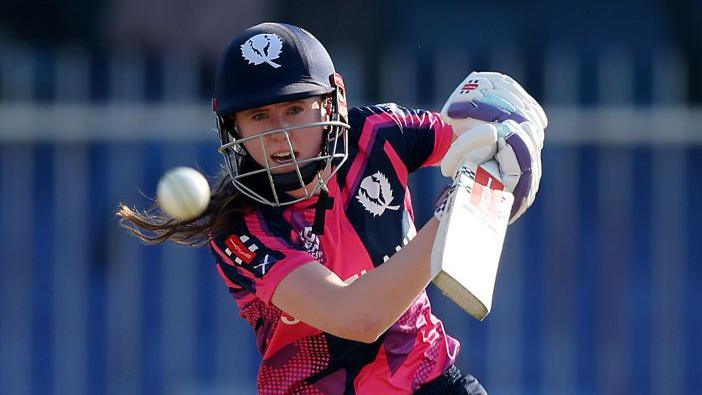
289	181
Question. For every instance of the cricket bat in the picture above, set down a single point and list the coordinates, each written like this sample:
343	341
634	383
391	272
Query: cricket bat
468	243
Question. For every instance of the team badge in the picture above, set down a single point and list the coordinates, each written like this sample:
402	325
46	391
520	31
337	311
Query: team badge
262	48
376	195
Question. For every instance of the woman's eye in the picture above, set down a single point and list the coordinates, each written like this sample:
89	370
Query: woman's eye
295	110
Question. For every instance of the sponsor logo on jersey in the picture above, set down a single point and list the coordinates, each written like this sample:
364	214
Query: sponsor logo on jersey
242	253
375	194
248	252
262	48
310	242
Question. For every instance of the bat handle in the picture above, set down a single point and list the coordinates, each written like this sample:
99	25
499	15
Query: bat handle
493	168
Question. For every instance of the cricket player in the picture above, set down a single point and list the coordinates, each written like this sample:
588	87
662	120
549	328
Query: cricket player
311	226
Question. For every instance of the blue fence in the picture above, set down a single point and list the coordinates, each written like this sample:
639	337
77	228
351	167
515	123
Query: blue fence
598	289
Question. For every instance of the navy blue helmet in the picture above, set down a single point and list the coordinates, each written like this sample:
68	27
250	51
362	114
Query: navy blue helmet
272	63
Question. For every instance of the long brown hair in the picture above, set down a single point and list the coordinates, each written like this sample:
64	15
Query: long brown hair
152	226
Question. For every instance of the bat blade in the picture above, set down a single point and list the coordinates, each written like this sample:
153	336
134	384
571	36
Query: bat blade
468	243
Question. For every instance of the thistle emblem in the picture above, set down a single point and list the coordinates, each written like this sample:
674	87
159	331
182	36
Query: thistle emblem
375	194
262	48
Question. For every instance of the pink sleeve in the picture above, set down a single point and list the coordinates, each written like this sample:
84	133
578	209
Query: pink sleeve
257	260
443	135
268	286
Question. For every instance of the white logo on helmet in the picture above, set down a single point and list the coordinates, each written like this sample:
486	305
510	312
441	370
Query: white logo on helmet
262	48
375	194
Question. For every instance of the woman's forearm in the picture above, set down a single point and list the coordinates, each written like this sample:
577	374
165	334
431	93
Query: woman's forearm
382	295
366	308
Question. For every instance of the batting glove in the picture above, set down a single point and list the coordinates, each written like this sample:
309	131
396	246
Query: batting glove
479	146
496	98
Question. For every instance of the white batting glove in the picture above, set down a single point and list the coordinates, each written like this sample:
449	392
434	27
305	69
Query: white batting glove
494	97
505	152
479	146
520	165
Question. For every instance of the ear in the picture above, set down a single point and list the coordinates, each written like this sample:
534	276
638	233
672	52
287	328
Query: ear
232	125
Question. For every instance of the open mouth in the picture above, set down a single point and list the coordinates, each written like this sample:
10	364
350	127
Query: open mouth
283	157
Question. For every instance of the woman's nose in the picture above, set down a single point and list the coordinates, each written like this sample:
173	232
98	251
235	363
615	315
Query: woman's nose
278	122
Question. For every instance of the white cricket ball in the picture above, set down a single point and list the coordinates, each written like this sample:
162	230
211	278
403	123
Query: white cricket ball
183	193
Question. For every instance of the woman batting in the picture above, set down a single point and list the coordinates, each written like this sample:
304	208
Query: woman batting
311	226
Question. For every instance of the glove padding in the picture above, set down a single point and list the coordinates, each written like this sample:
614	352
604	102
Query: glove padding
508	143
479	146
520	165
494	97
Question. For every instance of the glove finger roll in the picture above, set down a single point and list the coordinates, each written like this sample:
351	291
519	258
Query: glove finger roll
521	152
509	84
482	111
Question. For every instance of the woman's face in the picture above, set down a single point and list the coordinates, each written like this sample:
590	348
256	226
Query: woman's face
306	142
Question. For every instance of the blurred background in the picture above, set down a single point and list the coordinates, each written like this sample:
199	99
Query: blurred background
600	283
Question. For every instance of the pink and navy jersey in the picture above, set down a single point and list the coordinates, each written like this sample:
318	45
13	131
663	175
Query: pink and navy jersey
370	219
